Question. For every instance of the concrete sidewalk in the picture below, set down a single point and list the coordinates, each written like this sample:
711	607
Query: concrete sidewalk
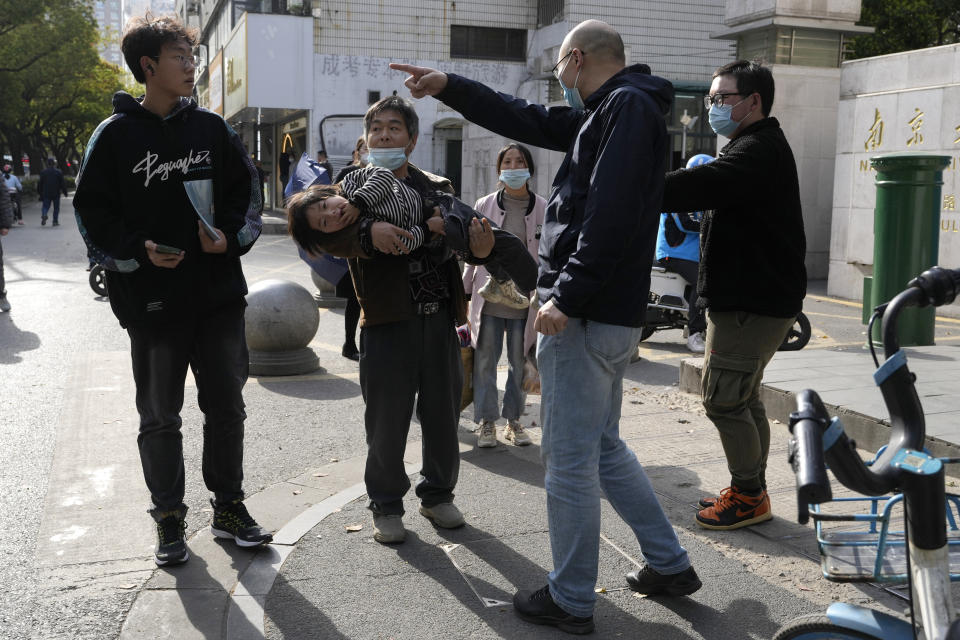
325	576
844	381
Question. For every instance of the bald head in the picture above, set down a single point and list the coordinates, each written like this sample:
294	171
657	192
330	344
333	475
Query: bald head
599	40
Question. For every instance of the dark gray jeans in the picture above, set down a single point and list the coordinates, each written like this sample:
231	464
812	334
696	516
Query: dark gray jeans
407	364
215	348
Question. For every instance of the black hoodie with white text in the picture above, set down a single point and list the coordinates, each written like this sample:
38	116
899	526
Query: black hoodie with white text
130	189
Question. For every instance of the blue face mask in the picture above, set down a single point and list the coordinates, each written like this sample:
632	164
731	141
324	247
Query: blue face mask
514	178
571	95
392	158
721	121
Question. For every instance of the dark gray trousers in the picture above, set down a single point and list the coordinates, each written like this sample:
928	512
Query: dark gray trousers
407	364
215	348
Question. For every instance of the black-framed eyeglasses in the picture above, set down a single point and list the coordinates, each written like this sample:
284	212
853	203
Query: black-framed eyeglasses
717	99
183	60
560	62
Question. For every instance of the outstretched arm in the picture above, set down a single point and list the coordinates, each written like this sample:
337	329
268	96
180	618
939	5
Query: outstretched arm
514	118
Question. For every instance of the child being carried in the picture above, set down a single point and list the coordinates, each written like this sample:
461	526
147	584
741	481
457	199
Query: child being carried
377	193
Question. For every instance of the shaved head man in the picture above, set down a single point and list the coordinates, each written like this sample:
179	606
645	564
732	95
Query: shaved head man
596	248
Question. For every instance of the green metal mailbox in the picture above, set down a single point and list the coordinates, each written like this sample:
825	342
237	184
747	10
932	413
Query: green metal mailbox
906	235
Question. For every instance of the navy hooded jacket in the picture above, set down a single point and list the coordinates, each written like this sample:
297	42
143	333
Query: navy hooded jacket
601	222
131	189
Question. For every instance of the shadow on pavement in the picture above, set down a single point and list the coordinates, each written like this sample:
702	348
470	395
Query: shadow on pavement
332	388
13	339
308	622
522	573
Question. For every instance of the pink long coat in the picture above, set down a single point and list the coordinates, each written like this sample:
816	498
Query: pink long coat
475	277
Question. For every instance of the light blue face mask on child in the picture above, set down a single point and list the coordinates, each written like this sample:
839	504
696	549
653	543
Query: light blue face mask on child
514	178
392	158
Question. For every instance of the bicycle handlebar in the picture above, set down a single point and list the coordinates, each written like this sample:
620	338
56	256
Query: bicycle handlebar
817	439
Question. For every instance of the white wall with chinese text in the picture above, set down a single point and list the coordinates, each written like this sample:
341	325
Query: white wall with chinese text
901	102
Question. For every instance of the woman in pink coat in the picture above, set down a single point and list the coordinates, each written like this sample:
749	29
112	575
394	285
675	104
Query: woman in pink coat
520	211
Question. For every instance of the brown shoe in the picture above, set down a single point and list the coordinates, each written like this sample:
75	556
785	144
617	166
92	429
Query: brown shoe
735	509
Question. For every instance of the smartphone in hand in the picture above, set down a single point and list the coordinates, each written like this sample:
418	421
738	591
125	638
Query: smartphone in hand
163	248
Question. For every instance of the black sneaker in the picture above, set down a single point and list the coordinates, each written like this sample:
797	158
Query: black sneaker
539	608
171	537
231	520
649	582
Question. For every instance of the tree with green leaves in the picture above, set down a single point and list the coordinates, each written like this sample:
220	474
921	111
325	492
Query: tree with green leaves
55	86
903	25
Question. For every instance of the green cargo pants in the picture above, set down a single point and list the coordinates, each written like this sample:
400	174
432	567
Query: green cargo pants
738	347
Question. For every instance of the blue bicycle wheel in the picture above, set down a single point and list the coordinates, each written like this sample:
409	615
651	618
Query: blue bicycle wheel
818	626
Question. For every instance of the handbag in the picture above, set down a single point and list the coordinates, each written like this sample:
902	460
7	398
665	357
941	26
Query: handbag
466	392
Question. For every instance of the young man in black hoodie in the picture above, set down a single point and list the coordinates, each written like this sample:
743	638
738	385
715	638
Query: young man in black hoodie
177	291
752	278
596	250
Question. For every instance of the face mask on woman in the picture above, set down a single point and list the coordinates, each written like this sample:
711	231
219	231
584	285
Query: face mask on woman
392	158
514	178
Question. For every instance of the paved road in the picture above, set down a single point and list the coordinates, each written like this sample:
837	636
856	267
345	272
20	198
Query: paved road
76	549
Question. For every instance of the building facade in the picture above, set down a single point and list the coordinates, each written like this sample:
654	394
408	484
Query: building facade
294	77
109	17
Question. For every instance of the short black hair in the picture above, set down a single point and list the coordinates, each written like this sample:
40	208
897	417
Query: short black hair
145	36
394	103
751	77
298	226
527	157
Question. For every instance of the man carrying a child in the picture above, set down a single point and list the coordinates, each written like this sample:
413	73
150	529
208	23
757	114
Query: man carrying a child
411	302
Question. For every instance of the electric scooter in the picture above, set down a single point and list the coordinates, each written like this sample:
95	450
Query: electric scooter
667	308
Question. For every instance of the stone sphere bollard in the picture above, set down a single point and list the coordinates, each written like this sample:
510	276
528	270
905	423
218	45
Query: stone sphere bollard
281	320
326	295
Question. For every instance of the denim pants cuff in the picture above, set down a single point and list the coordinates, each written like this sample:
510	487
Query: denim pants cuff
580	612
677	567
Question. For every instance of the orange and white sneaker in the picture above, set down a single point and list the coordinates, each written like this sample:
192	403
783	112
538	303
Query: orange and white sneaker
709	501
734	509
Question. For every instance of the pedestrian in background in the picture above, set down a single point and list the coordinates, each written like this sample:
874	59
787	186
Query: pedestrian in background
515	208
359	159
258	165
344	287
678	251
177	291
596	250
50	185
15	190
6	221
323	162
752	231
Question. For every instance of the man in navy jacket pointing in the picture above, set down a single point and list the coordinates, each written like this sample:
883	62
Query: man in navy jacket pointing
595	255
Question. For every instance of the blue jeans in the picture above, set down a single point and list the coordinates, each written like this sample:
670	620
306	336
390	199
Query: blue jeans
46	207
485	359
581	376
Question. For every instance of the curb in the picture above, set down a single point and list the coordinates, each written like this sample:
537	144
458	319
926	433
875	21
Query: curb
869	432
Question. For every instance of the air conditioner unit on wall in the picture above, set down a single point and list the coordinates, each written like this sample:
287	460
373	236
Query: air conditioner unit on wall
548	59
